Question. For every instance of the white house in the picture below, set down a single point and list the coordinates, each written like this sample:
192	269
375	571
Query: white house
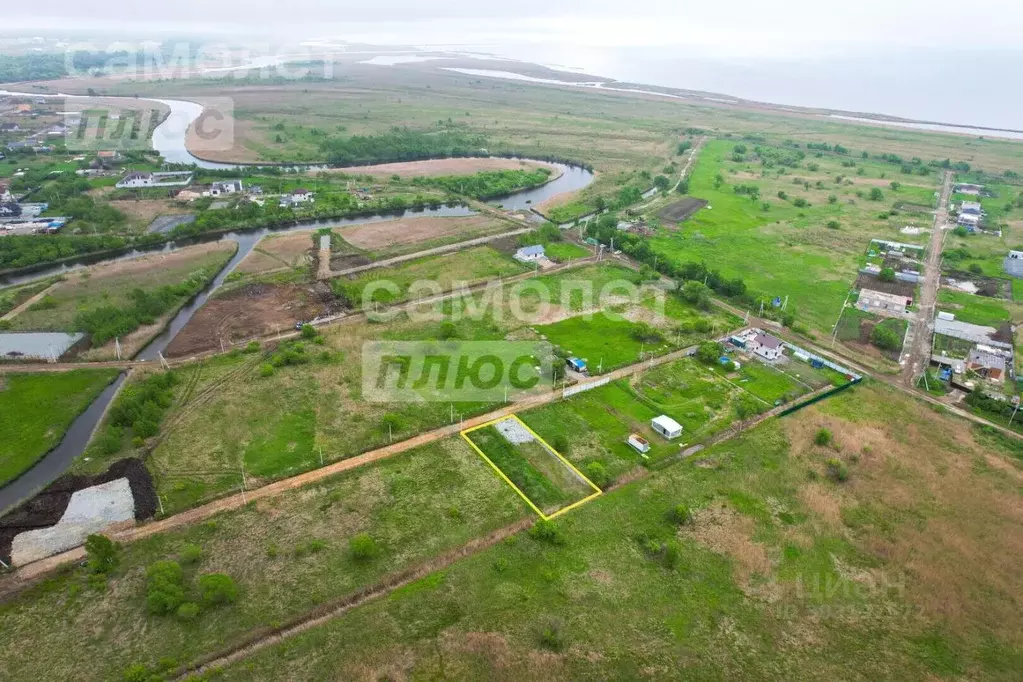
529	254
968	219
666	426
301	195
766	346
223	188
882	303
136	180
970	208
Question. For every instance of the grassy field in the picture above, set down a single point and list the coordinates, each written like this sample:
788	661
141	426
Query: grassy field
782	572
973	309
287	554
112	285
469	266
809	253
227	416
547	482
566	251
37	409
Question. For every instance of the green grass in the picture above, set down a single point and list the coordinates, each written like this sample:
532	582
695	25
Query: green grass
288	555
973	309
471	265
621	609
566	251
769	384
786	250
37	409
523	466
604	342
849	325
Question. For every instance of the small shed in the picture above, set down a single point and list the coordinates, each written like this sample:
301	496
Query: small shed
639	443
666	426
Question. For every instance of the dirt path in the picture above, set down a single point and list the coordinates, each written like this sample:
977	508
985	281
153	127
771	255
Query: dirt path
11	314
689	163
918	341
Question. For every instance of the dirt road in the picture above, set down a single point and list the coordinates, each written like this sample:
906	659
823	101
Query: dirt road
918	336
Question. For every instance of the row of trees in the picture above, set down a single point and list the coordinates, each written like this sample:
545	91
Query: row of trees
401	145
488	184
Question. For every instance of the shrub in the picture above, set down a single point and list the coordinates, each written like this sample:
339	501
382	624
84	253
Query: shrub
252	347
875	194
363	547
596	472
800	202
887	275
308	331
165	590
547	531
885	338
552	636
188	611
681	514
837	471
672	554
191	554
832	199
560	443
823	437
976	269
709	352
266	370
137	672
102	553
833	224
216	589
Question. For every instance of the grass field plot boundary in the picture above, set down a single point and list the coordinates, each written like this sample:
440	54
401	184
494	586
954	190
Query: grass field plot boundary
532	505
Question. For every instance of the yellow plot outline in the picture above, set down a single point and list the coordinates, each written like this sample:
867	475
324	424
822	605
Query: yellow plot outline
597	493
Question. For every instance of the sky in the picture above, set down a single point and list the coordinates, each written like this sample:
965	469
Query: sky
899	57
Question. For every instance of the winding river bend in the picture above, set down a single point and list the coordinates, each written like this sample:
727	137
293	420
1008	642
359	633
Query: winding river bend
169	139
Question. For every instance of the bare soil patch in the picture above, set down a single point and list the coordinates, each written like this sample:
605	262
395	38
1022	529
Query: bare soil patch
289	250
375	236
898	287
250	311
466	166
681	210
157	261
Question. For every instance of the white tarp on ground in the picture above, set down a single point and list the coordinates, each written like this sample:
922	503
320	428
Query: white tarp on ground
89	511
44	345
513	431
973	333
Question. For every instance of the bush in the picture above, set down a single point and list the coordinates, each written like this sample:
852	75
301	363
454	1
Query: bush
252	347
552	636
165	589
875	194
363	547
596	472
885	338
837	471
560	443
833	225
188	611
266	370
709	352
823	438
191	554
547	531
309	331
672	554
681	515
216	589
102	553
887	275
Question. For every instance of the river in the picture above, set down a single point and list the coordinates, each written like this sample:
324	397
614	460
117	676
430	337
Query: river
169	140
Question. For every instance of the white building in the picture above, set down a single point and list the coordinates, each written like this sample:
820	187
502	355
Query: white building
766	346
968	220
882	303
970	208
666	426
218	189
136	180
529	254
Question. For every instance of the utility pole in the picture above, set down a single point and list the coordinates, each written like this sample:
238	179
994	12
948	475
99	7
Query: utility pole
117	345
321	454
163	360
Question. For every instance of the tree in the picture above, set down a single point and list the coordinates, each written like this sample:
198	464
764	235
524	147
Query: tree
875	194
709	352
895	185
308	331
102	553
661	183
887	275
696	293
